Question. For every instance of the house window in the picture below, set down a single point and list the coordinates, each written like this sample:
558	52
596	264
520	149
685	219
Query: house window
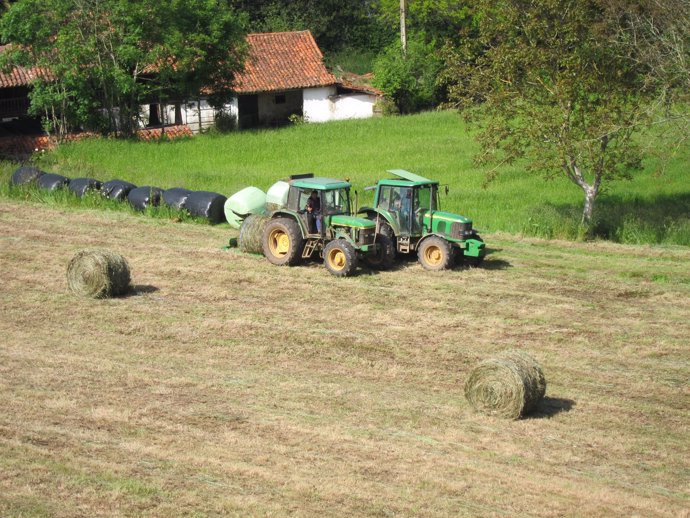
280	99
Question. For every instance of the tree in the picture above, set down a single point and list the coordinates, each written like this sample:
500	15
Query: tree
107	57
567	85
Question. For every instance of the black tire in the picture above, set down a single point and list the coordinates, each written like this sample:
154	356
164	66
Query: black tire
473	262
340	258
435	254
384	258
282	242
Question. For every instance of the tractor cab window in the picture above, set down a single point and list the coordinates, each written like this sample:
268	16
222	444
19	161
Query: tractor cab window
425	199
336	202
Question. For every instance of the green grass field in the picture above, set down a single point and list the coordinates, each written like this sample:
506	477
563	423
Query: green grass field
652	208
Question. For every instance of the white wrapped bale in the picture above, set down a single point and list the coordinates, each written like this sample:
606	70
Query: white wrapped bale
250	200
277	195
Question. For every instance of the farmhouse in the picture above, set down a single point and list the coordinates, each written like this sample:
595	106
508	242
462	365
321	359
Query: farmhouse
284	77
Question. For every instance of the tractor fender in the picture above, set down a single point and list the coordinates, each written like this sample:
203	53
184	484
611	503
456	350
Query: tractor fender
427	236
385	215
291	215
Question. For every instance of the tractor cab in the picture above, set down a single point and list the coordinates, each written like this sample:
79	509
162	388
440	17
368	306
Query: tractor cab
333	200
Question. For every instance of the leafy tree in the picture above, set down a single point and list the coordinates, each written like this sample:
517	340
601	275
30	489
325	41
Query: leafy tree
435	20
567	85
107	57
409	78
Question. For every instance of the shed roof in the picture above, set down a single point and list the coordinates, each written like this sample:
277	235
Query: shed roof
281	61
20	76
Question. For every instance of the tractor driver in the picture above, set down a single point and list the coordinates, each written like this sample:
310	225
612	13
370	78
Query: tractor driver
313	208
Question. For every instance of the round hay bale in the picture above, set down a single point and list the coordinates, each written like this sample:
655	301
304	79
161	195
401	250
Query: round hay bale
98	274
80	186
117	189
26	174
251	234
52	182
509	385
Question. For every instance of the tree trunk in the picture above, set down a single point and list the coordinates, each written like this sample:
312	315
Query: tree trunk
588	209
403	26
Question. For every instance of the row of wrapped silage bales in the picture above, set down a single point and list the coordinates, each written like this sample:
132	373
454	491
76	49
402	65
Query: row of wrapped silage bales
202	204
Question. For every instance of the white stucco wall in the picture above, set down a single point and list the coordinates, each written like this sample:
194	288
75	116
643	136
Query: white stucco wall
272	112
317	105
322	104
354	106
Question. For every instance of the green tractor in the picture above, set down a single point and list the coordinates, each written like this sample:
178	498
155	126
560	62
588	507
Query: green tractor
406	209
324	224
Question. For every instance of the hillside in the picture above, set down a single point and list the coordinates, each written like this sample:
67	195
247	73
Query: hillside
225	386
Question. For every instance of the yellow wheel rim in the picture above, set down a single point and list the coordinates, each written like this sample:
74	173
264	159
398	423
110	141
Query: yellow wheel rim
337	259
279	243
433	255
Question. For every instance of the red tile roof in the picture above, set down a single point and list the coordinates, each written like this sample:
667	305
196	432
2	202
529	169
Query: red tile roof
282	61
277	61
20	76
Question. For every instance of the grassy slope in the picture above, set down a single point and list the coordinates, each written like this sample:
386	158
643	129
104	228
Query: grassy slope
431	144
227	386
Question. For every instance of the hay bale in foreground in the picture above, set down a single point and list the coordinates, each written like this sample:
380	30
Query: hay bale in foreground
117	189
509	385
52	182
98	274
81	186
251	234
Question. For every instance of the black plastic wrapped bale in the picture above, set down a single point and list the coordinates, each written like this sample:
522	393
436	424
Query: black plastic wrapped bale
52	181
209	205
80	186
117	189
176	197
26	174
145	196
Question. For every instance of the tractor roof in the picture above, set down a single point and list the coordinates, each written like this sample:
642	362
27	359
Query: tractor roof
408	179
320	184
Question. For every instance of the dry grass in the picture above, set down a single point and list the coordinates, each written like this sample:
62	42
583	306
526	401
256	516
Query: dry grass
225	386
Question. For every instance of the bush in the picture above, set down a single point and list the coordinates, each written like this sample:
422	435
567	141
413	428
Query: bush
409	79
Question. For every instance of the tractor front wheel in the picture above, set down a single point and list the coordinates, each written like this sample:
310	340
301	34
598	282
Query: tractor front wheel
435	254
340	258
384	258
282	242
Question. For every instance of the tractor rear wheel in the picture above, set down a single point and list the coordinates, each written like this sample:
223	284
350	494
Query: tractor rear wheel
340	258
384	258
282	242
435	254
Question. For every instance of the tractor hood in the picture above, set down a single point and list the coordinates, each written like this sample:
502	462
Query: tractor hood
351	221
445	216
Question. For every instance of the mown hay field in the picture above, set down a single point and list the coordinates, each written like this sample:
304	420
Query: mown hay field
224	386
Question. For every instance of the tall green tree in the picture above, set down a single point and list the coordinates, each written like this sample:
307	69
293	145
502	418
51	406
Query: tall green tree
107	57
568	85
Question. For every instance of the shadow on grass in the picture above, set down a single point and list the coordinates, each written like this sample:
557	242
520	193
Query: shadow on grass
141	289
551	406
623	219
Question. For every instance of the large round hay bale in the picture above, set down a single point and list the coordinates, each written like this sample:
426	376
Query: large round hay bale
250	200
26	174
176	197
251	234
80	186
143	197
117	189
52	182
98	274
509	385
208	205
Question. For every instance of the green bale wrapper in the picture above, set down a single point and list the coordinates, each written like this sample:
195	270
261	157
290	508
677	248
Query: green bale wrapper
277	195
250	200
